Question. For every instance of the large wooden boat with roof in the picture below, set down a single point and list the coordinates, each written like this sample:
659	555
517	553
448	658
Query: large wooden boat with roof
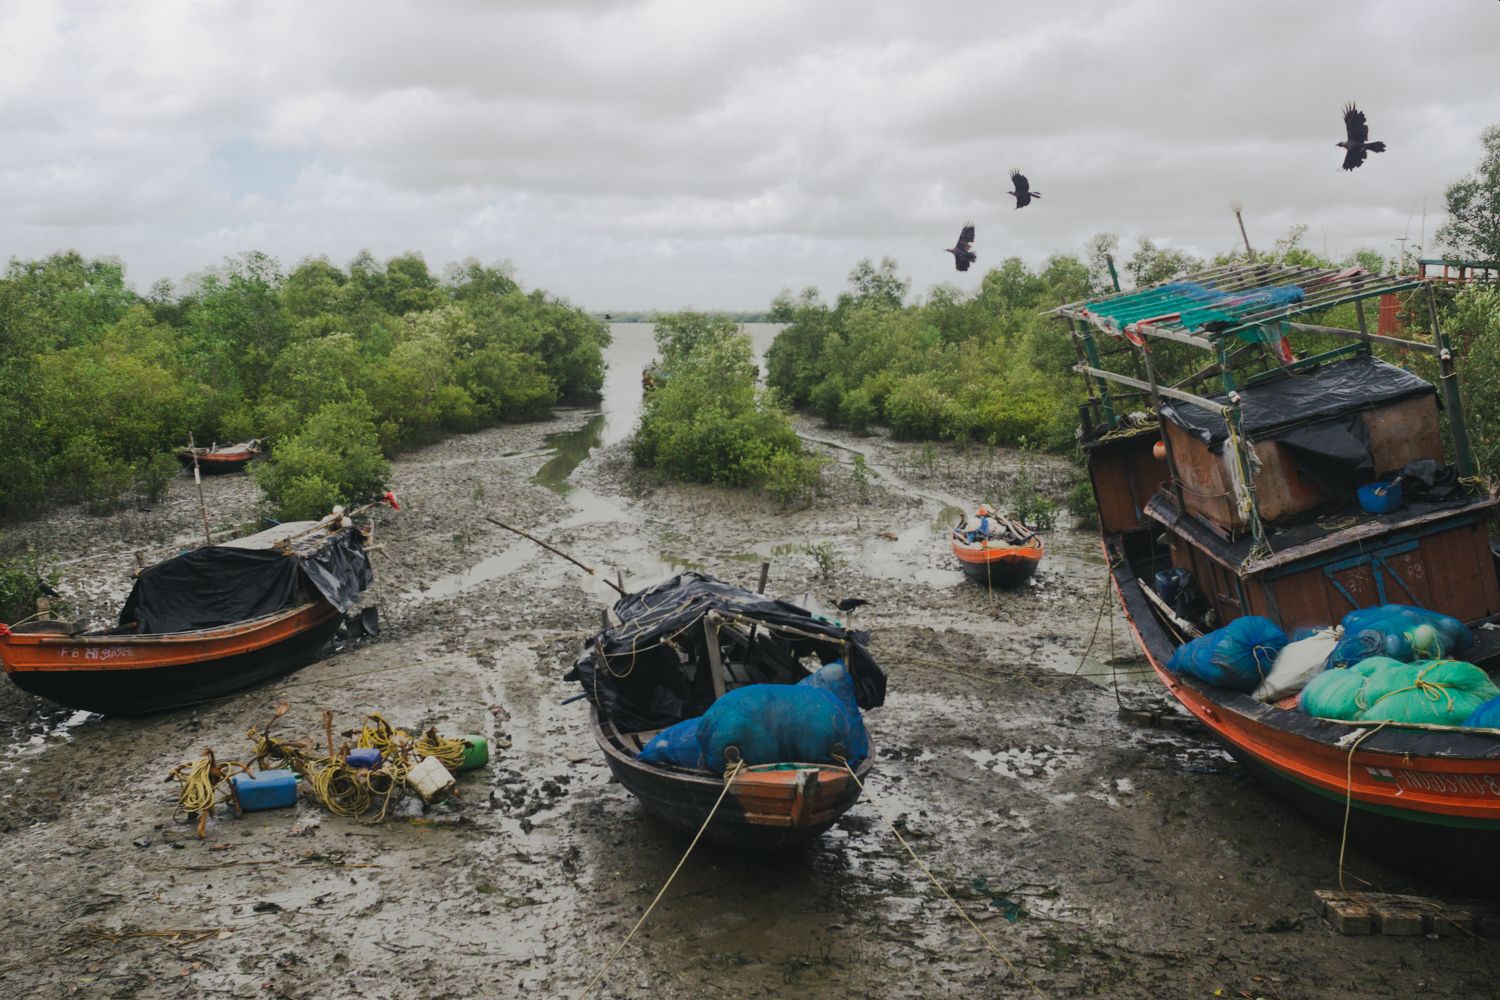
1219	456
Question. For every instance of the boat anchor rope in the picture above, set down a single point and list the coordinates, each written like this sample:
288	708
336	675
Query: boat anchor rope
734	771
934	880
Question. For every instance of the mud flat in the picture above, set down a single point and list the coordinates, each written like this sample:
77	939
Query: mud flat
1110	860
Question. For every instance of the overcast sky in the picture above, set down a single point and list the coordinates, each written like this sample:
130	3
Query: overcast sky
672	154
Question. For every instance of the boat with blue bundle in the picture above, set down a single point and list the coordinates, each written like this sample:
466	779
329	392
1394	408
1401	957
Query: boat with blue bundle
698	682
1304	527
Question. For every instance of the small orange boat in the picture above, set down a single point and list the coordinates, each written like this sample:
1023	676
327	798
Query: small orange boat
221	459
678	647
1004	556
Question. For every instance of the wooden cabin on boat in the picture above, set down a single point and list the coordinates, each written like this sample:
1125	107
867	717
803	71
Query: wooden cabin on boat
1220	457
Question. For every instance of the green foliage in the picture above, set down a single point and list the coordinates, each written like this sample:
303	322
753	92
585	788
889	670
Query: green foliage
826	558
860	472
334	459
1472	231
21	581
1080	497
1475	321
709	422
1029	503
111	380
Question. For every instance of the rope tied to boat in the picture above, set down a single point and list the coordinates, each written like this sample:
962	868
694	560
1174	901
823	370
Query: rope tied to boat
728	780
1349	795
990	945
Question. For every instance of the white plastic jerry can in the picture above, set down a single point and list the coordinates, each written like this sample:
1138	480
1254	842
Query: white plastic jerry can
431	780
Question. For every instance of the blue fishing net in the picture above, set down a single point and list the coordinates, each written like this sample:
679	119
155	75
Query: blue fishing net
1401	632
1237	656
676	745
786	723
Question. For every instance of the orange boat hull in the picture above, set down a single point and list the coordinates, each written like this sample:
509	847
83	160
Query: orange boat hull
134	674
1426	799
998	565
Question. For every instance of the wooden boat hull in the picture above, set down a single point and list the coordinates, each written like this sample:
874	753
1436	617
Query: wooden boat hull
999	565
136	674
765	810
1425	801
217	464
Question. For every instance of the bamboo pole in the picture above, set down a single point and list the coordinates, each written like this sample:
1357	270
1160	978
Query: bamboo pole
208	536
557	552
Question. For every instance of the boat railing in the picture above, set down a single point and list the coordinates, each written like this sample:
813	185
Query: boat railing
1242	299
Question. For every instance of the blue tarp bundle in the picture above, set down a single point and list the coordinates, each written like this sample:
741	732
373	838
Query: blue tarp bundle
771	724
1401	632
676	745
1486	716
1237	656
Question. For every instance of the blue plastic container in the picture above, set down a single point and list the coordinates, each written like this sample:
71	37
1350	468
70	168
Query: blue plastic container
365	758
265	790
1169	583
1380	498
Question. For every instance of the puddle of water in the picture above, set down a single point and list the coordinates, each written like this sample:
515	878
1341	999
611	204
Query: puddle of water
489	568
569	449
51	730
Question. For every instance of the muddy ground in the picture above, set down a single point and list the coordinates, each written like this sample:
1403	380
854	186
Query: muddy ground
1115	860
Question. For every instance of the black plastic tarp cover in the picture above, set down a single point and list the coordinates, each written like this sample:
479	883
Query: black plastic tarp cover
652	669
1322	395
248	578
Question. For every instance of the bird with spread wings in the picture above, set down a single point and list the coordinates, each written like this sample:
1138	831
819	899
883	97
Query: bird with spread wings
1022	193
963	252
1357	143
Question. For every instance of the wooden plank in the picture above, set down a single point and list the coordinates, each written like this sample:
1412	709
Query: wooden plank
715	659
1177	394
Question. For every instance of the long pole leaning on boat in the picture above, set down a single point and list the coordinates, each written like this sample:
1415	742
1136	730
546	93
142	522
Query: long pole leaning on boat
208	536
591	571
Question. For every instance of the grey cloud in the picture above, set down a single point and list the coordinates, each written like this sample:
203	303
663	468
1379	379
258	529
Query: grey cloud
639	154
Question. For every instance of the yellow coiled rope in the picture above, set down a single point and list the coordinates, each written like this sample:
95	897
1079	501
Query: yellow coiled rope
204	784
448	751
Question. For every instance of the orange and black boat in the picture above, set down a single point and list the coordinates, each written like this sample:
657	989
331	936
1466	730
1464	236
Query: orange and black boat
996	551
1240	499
677	648
221	459
201	625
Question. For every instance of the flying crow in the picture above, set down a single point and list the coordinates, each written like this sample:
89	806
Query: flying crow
963	253
1023	193
1355	147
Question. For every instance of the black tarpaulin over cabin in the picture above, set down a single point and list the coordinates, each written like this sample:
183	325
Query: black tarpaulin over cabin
652	670
249	577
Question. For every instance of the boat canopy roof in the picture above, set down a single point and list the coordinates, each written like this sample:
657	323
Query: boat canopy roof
653	670
1289	404
249	577
1212	305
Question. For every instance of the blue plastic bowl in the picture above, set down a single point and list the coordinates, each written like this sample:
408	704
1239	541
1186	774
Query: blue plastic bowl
1380	498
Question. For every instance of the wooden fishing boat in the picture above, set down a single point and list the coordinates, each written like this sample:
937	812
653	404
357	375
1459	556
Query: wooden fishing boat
1260	524
220	459
1008	556
766	808
688	641
201	625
